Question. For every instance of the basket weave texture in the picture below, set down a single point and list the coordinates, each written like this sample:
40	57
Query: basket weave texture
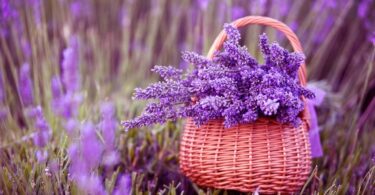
264	154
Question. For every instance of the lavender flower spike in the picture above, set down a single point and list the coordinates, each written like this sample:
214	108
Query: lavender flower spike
70	67
92	148
43	131
25	86
124	185
108	124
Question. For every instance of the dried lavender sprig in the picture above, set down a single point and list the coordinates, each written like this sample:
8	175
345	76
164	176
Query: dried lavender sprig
232	86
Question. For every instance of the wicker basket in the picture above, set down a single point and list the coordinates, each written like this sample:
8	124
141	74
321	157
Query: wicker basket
265	154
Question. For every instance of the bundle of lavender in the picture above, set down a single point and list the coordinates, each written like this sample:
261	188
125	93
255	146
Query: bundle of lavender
233	86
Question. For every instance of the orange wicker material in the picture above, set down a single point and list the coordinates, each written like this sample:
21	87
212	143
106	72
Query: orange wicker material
266	154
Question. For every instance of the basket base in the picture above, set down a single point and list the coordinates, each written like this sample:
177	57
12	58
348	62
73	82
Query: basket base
264	154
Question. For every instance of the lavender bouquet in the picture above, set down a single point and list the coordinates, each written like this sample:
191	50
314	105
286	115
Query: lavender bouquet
233	86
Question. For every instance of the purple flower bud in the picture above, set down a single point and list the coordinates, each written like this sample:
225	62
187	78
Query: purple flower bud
25	86
168	72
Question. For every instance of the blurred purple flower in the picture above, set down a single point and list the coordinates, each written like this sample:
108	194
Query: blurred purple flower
92	148
81	9
237	12
68	105
203	4
53	165
25	86
7	14
70	67
56	88
108	124
111	158
41	155
77	167
80	170
124	185
363	8
43	131
107	110
71	126
91	184
41	138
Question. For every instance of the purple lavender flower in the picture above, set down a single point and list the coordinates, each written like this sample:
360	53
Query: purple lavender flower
91	184
92	148
41	155
67	106
191	57
232	86
25	86
56	88
168	72
88	154
71	126
81	9
77	166
108	124
237	12
70	67
123	185
111	158
268	106
43	131
7	14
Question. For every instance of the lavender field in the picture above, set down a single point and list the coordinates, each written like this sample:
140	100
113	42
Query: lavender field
69	69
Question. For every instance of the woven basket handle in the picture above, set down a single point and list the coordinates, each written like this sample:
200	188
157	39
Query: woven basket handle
292	37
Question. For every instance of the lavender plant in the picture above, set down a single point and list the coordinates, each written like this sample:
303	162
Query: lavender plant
232	85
